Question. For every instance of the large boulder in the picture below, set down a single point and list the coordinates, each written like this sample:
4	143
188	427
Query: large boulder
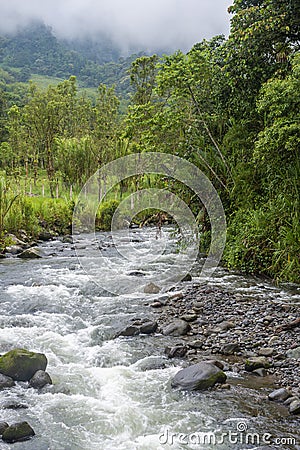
21	364
177	328
3	426
31	253
18	432
198	377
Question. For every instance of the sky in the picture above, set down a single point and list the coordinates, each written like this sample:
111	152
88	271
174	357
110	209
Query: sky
146	24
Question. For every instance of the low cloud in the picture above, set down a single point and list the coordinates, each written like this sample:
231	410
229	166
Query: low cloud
155	24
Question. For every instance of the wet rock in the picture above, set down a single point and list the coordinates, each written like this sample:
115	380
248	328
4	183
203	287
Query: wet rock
279	395
256	362
225	386
3	426
14	249
6	382
148	327
14	405
266	351
190	317
68	239
18	432
223	326
196	344
188	277
261	372
198	377
151	288
177	328
45	236
178	351
40	379
151	363
295	407
21	365
293	353
230	349
136	273
290	400
31	253
175	295
130	330
156	305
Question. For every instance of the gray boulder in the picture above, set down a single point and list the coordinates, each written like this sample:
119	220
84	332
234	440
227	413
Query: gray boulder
148	327
40	379
21	365
256	362
6	382
293	353
176	352
177	328
279	395
295	407
31	253
151	288
18	432
198	377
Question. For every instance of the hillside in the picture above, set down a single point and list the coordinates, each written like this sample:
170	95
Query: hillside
35	50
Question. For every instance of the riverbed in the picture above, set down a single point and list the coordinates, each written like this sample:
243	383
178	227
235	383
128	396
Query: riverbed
102	397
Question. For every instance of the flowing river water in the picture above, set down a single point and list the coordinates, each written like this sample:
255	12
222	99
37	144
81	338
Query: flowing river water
102	399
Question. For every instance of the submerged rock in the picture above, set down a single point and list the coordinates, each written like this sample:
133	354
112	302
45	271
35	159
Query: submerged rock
40	379
21	364
177	328
30	253
198	377
18	432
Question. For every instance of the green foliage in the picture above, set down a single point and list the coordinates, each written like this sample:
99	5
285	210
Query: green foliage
105	214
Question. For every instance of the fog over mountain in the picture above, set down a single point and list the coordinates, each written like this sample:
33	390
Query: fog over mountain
155	24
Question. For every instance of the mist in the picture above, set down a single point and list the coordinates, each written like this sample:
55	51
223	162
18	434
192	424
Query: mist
155	24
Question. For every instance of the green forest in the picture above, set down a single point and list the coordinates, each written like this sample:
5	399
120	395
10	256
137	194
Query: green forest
229	105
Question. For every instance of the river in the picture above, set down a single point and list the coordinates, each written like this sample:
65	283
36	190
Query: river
101	398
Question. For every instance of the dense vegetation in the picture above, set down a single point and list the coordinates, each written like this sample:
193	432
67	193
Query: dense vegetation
230	106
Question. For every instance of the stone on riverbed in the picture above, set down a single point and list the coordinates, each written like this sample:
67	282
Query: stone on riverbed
293	353
18	432
198	377
40	379
295	407
31	253
176	352
279	395
21	365
256	362
6	382
151	288
148	327
177	328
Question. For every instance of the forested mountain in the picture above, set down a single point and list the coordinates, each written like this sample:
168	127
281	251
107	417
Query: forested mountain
36	50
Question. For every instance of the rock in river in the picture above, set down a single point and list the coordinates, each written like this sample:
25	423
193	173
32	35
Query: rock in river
40	379
198	376
256	362
21	365
3	426
6	382
18	432
177	328
31	253
151	288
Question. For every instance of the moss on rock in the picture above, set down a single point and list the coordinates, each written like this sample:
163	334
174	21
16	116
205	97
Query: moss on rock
21	364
